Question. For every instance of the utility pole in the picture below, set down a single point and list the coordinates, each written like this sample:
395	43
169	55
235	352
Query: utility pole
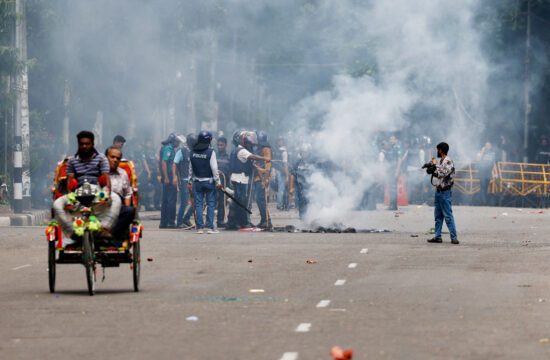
192	95
233	76
212	104
527	85
21	159
66	102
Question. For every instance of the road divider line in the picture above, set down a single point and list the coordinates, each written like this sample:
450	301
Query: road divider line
364	251
352	265
303	327
290	356
339	282
21	267
323	303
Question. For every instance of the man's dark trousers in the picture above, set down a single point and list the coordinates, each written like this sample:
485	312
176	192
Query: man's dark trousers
184	200
168	209
237	215
259	193
125	218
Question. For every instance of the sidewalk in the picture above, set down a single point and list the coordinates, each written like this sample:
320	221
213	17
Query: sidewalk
29	218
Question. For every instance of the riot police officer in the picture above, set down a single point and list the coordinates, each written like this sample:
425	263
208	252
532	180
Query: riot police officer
262	180
180	169
301	173
241	168
223	169
169	183
203	180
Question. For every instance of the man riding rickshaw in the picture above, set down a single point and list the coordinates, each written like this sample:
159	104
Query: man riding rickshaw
95	202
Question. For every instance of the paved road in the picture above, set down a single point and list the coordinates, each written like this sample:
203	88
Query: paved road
488	298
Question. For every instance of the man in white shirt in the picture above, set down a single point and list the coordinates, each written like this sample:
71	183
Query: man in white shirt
120	185
242	168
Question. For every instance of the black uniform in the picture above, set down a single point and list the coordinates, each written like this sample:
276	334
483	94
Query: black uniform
237	216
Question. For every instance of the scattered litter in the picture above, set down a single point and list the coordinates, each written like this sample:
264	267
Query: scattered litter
256	291
541	300
431	231
338	354
149	259
311	262
545	340
524	285
399	212
414	235
218	258
341	310
504	214
192	318
57	296
540	212
252	229
519	210
250	260
494	217
419	206
526	243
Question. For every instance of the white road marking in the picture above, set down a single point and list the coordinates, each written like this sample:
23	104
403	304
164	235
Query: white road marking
339	282
323	303
256	291
352	265
21	267
337	310
290	356
364	251
303	327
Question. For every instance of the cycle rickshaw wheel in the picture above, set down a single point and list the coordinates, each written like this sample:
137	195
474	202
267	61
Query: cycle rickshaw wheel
51	265
88	259
136	260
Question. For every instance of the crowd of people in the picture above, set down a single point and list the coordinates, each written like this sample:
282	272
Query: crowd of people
188	176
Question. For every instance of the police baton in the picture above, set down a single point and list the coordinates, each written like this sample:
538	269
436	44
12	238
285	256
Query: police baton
235	200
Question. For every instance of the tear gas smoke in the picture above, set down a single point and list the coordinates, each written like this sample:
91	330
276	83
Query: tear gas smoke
428	55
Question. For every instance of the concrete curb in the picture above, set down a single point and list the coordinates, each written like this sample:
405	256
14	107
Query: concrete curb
31	218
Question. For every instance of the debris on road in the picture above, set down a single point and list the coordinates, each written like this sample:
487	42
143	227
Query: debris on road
192	318
256	291
524	285
311	261
540	212
338	354
149	259
249	260
545	340
414	235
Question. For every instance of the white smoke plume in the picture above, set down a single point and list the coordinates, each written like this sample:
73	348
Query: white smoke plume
427	53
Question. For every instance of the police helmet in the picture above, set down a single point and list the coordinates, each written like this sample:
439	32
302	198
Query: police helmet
236	138
203	140
249	139
171	138
191	139
262	137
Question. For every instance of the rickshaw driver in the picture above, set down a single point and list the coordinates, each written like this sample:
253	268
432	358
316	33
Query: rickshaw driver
121	186
87	165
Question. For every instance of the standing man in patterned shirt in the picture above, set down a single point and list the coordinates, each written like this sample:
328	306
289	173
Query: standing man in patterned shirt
445	173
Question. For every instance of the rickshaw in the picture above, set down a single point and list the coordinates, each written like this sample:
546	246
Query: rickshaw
86	225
